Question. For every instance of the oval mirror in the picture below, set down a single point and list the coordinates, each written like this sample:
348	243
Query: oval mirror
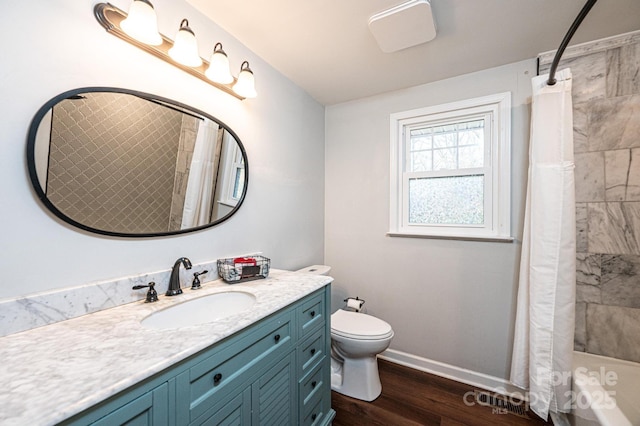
125	163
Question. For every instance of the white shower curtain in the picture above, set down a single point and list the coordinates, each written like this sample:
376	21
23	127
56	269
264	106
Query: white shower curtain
543	345
200	184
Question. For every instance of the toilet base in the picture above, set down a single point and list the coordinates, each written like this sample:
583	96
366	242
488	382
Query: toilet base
336	373
357	378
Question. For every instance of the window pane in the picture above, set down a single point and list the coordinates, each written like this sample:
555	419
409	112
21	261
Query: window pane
447	147
442	140
470	137
420	143
470	156
421	161
444	159
457	200
238	184
471	148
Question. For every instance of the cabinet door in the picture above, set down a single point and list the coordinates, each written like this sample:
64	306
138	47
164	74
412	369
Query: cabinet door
236	412
274	396
150	409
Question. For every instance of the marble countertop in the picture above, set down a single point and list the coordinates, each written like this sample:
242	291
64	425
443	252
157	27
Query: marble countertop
51	373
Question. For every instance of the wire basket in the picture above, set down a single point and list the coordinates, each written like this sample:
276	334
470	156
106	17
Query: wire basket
239	269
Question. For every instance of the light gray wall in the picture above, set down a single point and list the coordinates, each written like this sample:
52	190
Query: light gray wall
61	46
448	301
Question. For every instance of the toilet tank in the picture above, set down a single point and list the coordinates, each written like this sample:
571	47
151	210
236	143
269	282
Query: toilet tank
315	269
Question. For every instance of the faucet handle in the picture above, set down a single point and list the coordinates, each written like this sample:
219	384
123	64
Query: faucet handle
196	281
152	294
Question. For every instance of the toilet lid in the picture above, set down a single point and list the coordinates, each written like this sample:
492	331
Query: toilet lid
359	326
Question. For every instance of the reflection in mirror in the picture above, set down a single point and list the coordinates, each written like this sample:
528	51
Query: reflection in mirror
130	164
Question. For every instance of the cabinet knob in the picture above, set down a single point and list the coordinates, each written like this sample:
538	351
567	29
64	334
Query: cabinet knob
313	314
313	384
217	378
313	416
312	351
276	338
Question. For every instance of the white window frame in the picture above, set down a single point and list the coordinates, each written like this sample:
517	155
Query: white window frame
496	109
232	164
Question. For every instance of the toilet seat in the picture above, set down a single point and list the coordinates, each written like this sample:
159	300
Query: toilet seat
354	325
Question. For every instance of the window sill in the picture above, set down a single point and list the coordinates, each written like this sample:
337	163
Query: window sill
453	237
227	203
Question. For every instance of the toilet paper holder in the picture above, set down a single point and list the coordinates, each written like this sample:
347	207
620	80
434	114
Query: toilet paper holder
354	303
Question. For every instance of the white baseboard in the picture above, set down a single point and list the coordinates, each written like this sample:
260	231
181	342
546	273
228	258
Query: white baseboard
469	377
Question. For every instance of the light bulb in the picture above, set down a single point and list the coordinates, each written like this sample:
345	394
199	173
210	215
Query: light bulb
245	86
141	23
185	47
218	70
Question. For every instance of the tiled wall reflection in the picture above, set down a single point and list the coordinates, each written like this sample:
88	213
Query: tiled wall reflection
93	140
606	107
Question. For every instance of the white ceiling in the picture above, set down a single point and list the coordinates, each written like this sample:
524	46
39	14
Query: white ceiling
325	47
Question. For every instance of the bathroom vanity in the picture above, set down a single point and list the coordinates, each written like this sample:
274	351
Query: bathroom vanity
267	365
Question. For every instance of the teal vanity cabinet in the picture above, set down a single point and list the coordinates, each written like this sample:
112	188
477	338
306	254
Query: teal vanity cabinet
274	372
147	409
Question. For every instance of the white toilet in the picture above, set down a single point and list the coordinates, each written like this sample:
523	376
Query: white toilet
356	339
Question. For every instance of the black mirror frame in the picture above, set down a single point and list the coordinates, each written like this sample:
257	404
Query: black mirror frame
31	141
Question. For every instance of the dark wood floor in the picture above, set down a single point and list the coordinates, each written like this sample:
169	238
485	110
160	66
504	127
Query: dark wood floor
410	397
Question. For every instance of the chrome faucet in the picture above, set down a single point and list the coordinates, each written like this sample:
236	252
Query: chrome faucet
174	281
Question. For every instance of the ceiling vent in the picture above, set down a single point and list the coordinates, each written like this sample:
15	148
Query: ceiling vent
402	26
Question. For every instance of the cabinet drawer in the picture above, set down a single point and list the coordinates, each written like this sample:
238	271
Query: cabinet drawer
215	377
312	386
311	351
316	413
311	315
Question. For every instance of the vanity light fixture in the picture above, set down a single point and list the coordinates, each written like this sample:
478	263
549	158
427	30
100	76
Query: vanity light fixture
218	70
185	48
142	23
245	86
182	54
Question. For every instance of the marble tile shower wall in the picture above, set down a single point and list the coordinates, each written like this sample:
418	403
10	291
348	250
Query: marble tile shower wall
606	108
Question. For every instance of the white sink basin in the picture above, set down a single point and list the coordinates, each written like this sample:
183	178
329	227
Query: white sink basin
201	310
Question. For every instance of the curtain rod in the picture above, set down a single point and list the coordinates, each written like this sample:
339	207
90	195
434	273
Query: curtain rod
174	108
565	41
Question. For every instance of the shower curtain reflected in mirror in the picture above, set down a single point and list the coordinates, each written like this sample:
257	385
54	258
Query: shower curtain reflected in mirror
543	343
201	184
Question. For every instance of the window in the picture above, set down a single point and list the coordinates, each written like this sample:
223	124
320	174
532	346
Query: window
450	170
233	170
237	176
